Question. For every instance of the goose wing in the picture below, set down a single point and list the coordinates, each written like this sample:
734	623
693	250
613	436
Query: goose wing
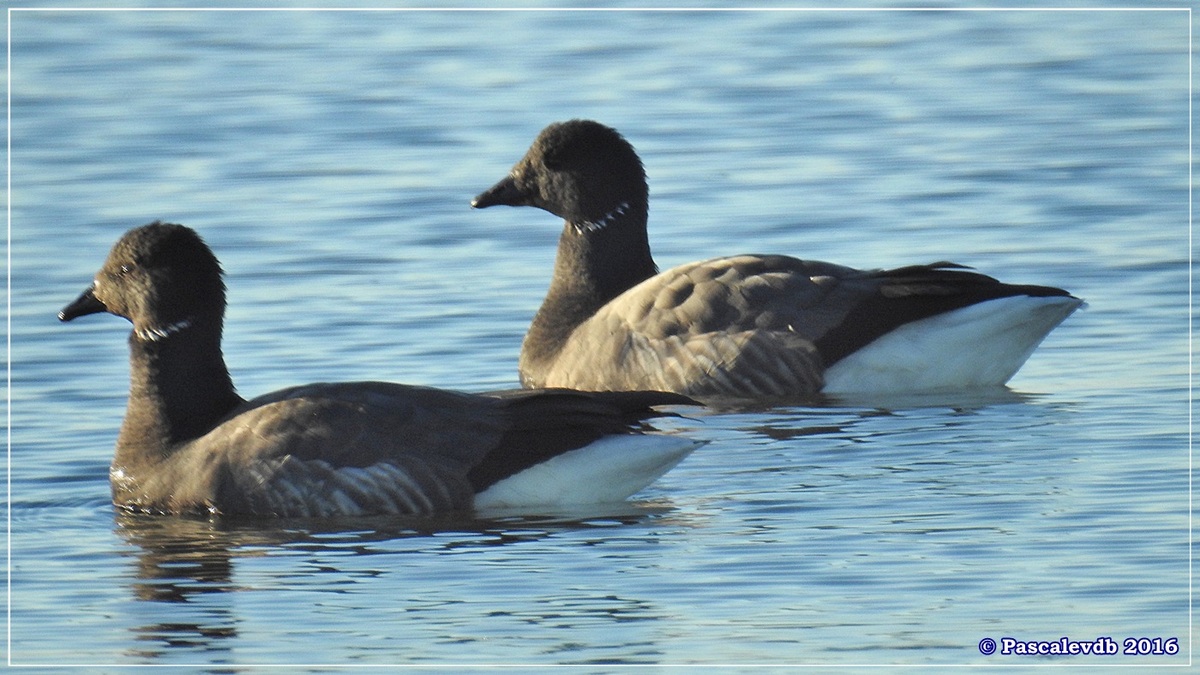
757	325
350	449
372	447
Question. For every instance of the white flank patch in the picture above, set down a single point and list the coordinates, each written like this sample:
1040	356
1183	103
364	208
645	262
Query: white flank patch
609	470
982	345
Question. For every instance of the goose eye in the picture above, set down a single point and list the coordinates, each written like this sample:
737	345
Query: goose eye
126	269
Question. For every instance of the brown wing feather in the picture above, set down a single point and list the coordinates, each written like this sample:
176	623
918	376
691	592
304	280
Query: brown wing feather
371	447
711	328
755	325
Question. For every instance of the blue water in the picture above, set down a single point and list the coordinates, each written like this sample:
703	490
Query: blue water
329	158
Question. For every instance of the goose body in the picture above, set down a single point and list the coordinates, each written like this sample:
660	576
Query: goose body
744	326
190	444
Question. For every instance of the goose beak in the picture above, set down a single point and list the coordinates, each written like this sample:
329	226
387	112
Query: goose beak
86	303
504	193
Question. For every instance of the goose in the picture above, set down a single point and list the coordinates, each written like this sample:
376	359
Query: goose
744	326
189	444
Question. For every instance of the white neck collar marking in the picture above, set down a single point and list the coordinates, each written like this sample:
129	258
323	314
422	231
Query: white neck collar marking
163	332
597	225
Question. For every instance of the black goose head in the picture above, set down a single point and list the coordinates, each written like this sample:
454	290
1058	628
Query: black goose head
162	277
581	171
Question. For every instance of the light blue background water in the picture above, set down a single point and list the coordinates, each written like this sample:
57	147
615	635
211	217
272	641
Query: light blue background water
329	157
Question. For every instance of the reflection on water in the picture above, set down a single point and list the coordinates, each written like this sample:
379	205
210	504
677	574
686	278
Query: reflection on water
195	561
955	400
842	417
180	561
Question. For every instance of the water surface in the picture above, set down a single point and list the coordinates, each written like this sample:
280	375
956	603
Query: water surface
329	158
